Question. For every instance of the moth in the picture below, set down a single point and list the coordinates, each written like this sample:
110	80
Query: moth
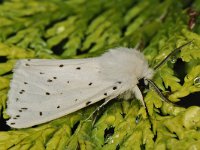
42	90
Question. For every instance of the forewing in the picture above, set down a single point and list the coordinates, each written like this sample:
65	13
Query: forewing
43	90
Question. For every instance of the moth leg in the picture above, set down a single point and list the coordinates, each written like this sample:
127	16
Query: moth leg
97	110
138	95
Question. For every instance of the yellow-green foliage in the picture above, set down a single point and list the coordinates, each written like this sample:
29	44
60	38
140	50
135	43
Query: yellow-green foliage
85	28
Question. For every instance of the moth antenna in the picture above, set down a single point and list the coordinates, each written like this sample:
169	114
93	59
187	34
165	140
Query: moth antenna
172	53
156	89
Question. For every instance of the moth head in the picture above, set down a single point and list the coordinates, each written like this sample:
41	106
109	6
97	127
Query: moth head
148	74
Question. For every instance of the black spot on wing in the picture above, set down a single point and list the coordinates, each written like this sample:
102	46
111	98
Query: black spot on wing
61	65
54	77
12	123
40	113
105	94
87	103
27	64
58	106
47	93
22	91
78	68
90	84
49	80
25	83
115	87
41	72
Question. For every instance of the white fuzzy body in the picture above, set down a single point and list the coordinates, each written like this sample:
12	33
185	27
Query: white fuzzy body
43	90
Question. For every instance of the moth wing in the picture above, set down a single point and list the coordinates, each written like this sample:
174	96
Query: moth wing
43	90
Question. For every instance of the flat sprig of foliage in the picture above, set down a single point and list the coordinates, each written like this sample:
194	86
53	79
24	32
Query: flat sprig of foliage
78	29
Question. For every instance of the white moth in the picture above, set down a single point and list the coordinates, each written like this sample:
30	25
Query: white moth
42	90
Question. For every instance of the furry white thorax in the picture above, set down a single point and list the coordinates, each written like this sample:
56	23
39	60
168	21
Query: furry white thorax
125	63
